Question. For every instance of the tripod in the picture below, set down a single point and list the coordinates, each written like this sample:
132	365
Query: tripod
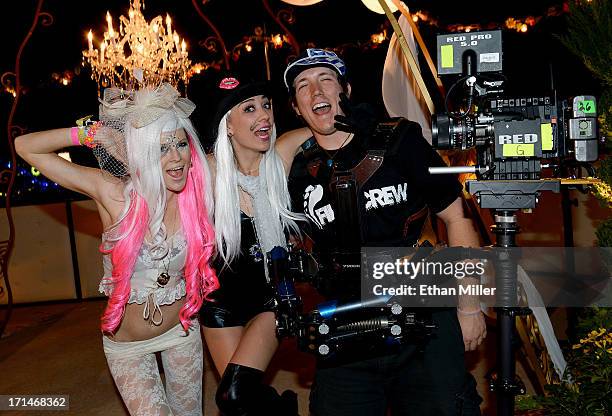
504	198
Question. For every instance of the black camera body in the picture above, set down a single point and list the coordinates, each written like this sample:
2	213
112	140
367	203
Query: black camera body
512	135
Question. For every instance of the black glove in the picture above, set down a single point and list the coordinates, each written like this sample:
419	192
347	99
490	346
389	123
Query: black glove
358	118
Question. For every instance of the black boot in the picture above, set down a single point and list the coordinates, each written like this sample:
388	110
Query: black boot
242	393
284	405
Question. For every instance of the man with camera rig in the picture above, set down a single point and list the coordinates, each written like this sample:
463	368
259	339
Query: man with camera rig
362	183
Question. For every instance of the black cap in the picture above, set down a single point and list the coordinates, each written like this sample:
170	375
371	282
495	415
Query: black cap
231	89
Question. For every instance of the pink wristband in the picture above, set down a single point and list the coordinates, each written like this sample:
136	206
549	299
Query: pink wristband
74	135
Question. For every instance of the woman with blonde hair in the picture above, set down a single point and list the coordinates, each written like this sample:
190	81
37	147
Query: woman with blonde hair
252	216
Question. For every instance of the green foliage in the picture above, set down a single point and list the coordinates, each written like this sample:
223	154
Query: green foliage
590	318
589	36
605	115
587	386
604	171
604	234
527	402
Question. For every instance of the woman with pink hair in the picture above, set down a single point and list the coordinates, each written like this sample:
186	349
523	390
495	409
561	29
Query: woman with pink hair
153	196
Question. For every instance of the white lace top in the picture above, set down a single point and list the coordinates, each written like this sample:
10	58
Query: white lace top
154	282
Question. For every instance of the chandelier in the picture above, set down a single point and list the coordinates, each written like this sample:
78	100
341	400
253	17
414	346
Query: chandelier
139	54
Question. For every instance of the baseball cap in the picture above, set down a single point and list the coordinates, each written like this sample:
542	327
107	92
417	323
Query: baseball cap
312	58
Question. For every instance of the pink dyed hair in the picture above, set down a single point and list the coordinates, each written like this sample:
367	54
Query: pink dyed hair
200	277
124	253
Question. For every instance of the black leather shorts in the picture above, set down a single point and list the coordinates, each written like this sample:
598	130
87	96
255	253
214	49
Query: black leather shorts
219	315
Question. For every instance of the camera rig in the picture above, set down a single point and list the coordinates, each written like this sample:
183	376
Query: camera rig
334	327
512	137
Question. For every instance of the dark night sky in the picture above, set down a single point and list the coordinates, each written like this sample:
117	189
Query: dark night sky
327	24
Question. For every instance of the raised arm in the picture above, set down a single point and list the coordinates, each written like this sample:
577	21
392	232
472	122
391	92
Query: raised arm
289	143
39	150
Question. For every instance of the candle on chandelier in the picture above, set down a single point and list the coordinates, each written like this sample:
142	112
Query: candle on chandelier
90	40
109	20
168	21
102	48
183	46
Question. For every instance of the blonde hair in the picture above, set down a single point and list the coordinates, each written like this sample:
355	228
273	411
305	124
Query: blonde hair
227	204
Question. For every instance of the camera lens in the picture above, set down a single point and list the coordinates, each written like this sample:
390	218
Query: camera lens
440	128
452	133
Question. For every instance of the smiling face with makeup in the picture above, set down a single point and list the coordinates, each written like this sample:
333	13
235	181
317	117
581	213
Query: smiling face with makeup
175	159
249	124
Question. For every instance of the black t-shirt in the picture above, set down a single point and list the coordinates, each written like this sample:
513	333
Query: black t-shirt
399	188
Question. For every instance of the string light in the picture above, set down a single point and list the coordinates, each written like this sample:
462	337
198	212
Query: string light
277	40
511	23
11	90
378	38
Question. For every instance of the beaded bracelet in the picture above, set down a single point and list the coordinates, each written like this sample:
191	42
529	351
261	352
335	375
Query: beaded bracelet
92	129
85	132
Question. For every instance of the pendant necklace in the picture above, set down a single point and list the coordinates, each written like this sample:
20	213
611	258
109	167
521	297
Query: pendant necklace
164	277
330	160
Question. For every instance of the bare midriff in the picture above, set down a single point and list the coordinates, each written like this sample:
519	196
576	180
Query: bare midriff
134	327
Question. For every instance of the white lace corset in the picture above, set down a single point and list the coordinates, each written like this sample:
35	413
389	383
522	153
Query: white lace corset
146	283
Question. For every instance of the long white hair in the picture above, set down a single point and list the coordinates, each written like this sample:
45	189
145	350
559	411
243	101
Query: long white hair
146	175
227	203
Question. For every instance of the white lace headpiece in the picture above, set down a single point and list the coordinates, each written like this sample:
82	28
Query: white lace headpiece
121	109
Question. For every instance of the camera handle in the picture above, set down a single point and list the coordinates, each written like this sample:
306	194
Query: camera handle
458	169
